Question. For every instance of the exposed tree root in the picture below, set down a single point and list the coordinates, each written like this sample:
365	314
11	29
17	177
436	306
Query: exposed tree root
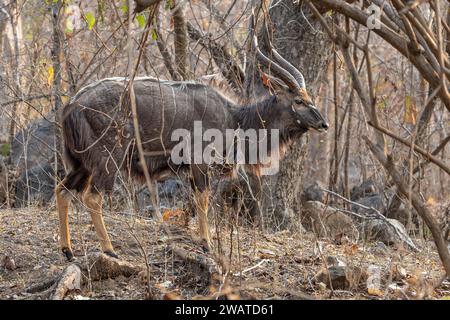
96	266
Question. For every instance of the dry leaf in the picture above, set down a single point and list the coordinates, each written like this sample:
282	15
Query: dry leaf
410	110
171	296
50	76
174	215
375	292
431	201
351	249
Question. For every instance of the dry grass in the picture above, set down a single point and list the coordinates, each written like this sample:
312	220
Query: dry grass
263	266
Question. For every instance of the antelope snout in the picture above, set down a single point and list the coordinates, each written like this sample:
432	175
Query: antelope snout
320	123
324	126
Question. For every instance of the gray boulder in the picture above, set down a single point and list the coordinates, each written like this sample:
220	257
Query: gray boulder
379	230
327	221
373	201
339	276
170	193
313	193
367	188
37	188
35	144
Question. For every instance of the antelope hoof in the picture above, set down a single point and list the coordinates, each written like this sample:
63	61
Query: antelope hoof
112	254
68	254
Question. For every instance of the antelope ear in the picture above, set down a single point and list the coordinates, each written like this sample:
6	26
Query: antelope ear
265	80
272	83
305	96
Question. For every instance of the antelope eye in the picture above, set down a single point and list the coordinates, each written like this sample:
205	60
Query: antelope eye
298	100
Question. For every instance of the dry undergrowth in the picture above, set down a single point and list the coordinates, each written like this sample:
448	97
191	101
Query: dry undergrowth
279	265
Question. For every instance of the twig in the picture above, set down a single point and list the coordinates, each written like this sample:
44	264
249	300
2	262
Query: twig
424	153
26	99
253	267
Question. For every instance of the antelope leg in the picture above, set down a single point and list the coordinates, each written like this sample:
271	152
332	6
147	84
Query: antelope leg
200	186
93	202
201	201
63	199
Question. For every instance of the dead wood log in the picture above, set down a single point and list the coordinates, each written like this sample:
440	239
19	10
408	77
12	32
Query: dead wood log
212	269
101	266
70	280
206	263
95	266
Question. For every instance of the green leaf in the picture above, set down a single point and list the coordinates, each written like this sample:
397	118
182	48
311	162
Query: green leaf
90	18
141	20
5	149
154	35
381	105
124	9
169	4
69	26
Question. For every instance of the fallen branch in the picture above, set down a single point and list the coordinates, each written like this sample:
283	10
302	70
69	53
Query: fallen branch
207	263
70	280
97	265
42	286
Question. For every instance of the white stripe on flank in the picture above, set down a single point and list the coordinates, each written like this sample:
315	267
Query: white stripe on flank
122	80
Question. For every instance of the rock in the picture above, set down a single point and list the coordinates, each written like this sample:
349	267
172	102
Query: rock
401	214
340	277
170	193
37	188
398	272
313	193
373	282
9	264
334	261
374	201
170	188
334	277
367	188
379	230
380	249
327	221
34	143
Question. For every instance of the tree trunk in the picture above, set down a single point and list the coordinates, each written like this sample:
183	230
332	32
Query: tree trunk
56	85
180	40
298	37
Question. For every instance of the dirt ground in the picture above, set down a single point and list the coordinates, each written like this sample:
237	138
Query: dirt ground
283	265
